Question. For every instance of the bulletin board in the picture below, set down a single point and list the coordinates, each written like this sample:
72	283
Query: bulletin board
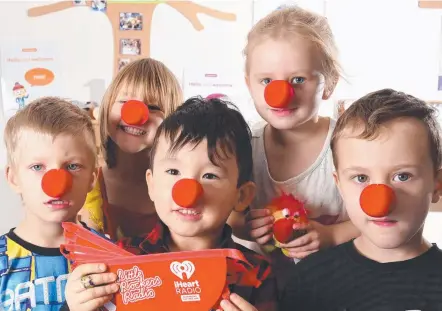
131	22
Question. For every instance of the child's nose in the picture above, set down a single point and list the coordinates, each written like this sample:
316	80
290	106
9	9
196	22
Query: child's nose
134	112
376	200
57	182
186	192
279	94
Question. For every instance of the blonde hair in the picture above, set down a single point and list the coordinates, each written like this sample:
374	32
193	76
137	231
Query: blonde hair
52	116
148	77
293	21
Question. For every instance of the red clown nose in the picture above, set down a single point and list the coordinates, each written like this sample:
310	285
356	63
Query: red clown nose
57	182
186	192
279	94
376	200
134	112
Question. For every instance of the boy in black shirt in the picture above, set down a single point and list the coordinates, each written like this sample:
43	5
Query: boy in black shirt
388	154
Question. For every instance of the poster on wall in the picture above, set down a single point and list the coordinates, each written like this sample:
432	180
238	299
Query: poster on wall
28	71
224	84
263	7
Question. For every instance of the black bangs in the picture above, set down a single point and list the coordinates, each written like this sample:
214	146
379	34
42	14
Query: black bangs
216	121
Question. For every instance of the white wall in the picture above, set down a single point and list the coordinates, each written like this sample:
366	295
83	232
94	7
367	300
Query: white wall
383	43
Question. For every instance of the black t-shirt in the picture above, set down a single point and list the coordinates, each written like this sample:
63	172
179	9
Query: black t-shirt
341	279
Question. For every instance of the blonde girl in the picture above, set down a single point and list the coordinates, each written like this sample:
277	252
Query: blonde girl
119	205
292	148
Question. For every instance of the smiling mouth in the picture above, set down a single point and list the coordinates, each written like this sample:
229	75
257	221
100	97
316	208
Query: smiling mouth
188	212
58	203
132	130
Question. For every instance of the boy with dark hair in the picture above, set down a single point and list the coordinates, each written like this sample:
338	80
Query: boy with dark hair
206	144
387	152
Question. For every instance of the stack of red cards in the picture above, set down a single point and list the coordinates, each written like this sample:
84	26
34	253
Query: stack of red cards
185	281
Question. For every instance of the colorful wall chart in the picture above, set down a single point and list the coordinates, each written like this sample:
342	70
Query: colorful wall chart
131	22
29	71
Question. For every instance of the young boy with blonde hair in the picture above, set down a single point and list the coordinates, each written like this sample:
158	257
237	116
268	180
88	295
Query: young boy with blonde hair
51	157
388	154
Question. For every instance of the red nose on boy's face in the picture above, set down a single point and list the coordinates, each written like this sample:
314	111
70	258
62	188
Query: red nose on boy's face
279	94
56	182
376	200
134	112
186	192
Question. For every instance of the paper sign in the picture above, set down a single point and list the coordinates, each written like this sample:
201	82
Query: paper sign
184	281
221	83
28	71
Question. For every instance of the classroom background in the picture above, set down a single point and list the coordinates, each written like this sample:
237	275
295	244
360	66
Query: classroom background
74	48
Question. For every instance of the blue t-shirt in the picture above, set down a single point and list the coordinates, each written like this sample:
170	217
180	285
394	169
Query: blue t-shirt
31	277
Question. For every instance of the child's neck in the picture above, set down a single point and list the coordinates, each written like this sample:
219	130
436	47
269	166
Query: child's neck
177	243
299	134
44	234
132	166
412	249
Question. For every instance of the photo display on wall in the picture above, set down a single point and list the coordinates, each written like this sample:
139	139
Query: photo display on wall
131	21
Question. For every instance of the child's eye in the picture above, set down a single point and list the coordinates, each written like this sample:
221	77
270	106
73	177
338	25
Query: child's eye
298	80
266	81
73	167
361	179
210	176
37	167
402	177
172	171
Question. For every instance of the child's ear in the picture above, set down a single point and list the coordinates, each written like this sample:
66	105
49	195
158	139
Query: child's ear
247	80
438	187
150	184
246	194
329	87
11	177
336	179
93	179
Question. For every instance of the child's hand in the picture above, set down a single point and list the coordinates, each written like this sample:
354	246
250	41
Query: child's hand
236	303
318	236
259	223
89	287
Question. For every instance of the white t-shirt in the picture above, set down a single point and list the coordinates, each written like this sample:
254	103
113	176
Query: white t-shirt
315	185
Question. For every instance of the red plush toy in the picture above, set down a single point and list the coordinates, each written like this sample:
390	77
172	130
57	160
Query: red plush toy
287	211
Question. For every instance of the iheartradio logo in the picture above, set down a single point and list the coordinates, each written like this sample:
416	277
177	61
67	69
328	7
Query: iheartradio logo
181	268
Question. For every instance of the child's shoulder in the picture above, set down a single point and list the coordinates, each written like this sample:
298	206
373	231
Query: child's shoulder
326	258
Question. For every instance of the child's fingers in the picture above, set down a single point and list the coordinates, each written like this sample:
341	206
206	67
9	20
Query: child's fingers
95	303
97	292
312	246
260	222
237	303
95	280
85	269
257	213
302	240
264	239
260	231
